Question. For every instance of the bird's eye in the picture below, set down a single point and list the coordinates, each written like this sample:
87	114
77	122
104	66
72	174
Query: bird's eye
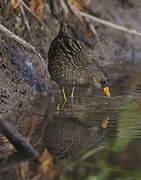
103	83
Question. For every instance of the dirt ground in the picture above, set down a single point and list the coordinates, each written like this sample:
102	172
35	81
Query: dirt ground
114	47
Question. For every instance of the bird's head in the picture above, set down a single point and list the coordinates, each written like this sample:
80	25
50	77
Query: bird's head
103	84
105	87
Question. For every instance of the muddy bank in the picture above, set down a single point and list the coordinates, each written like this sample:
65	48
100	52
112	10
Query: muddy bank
114	47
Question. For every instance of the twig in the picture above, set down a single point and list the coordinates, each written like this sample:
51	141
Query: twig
10	34
32	13
24	43
35	16
64	6
24	16
107	23
24	152
74	10
17	139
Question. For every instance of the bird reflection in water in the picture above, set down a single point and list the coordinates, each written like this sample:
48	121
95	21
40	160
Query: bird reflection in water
67	138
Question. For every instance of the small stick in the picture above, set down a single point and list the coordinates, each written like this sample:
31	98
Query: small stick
64	6
107	23
24	16
32	13
24	43
10	34
102	21
17	139
35	16
74	10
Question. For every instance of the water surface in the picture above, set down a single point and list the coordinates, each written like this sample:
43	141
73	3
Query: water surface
79	147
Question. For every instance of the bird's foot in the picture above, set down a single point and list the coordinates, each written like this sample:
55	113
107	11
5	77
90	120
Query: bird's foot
61	106
71	98
58	107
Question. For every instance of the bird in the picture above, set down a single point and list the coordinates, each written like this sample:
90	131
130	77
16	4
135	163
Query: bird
69	64
65	137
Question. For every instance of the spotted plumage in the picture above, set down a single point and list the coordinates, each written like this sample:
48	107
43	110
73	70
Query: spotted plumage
69	65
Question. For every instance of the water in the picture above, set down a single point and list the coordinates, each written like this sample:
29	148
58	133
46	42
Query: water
79	146
120	155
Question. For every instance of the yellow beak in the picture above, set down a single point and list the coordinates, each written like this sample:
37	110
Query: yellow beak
106	90
104	124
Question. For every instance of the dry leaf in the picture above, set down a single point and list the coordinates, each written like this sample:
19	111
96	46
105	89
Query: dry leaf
46	162
14	4
104	124
78	4
24	170
47	170
6	147
37	7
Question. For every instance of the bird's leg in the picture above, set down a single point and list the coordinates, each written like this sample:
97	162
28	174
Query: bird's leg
61	106
72	93
72	96
65	98
64	94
